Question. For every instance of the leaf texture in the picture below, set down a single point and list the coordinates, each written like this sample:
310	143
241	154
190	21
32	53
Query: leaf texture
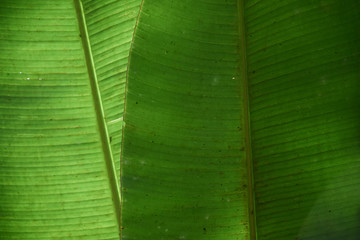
55	177
241	117
191	65
303	70
110	26
184	174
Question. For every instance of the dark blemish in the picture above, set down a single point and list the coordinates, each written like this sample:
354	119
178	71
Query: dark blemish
253	72
110	139
122	227
136	103
329	211
79	35
219	150
250	35
166	51
152	141
244	186
204	229
280	44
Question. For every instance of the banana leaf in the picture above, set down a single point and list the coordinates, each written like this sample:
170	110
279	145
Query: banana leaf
63	66
241	119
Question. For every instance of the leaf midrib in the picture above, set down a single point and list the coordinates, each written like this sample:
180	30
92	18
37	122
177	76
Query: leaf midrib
246	115
105	142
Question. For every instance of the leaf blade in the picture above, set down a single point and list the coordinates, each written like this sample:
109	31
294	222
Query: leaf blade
110	25
192	160
303	111
54	180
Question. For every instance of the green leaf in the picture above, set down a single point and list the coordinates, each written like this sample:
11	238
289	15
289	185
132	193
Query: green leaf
184	173
198	148
62	73
242	119
303	61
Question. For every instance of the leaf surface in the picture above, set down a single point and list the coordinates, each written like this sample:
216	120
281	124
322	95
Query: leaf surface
242	119
187	160
184	173
58	119
303	73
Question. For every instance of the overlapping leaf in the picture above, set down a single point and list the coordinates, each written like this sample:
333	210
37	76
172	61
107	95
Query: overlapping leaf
241	119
